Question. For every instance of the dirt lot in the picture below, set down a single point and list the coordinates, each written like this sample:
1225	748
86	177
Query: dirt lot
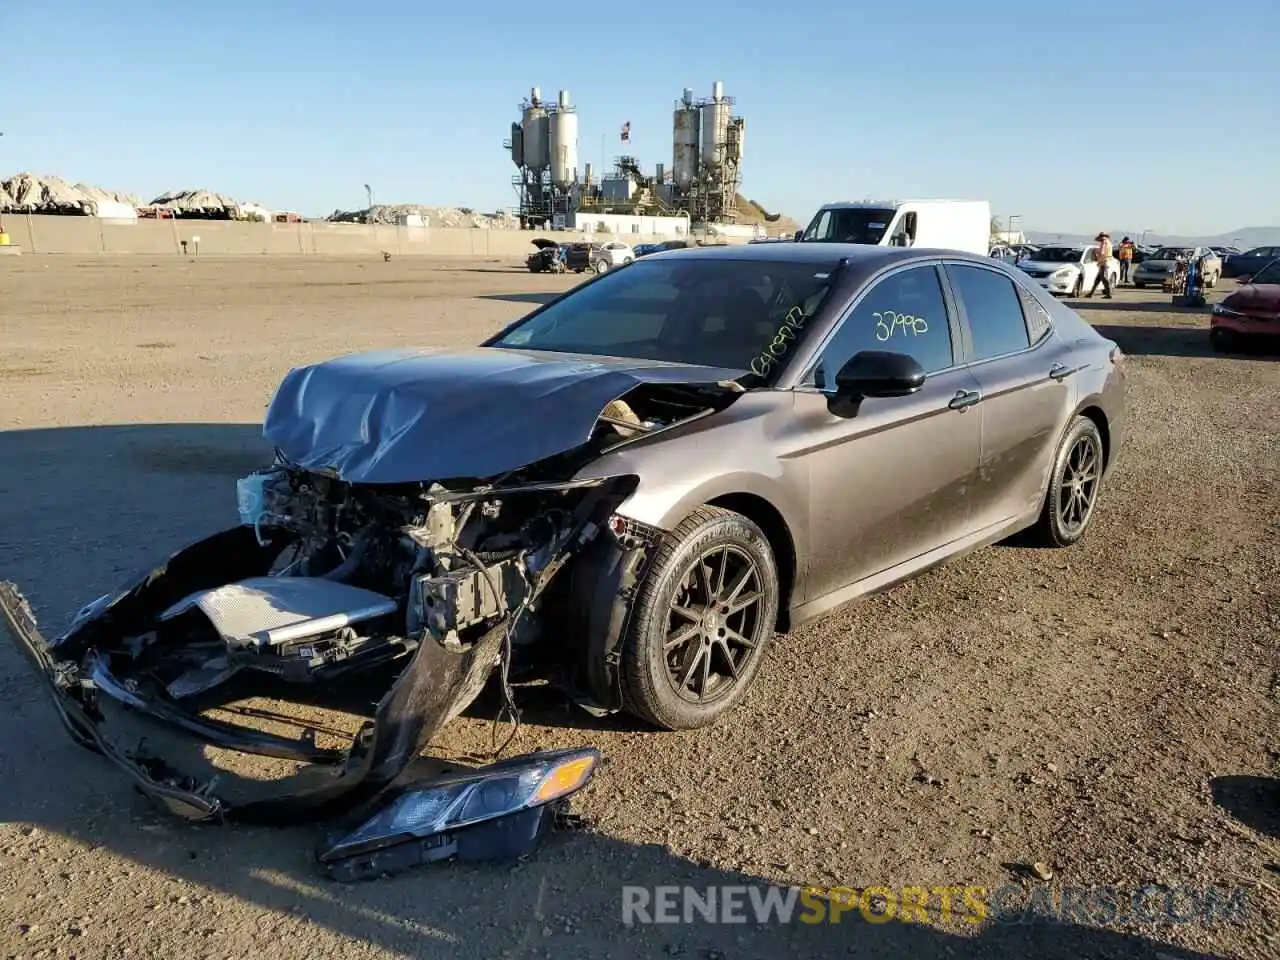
1110	710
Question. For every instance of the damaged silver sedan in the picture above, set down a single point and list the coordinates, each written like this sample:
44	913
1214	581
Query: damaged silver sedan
624	493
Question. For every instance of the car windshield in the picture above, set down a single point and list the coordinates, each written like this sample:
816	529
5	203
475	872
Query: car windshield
1172	253
1268	274
1058	254
738	314
849	225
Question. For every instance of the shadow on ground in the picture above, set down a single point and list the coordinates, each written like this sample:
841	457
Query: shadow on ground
535	298
1254	801
1135	306
79	507
1176	342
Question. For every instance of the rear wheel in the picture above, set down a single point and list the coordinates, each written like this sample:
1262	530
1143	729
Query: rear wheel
1220	340
602	266
1074	486
701	621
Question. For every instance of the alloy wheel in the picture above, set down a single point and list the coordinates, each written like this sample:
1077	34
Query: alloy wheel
714	625
1078	489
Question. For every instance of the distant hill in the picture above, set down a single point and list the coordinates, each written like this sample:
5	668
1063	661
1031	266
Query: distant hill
751	212
1244	238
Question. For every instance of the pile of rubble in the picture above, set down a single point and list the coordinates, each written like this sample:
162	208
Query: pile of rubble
435	216
196	201
29	193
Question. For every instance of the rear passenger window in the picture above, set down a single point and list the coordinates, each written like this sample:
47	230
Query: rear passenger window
994	310
1038	319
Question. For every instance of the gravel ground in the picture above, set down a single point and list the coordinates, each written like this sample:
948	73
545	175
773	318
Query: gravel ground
1109	710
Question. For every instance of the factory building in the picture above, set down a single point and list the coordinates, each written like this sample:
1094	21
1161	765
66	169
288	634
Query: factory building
698	192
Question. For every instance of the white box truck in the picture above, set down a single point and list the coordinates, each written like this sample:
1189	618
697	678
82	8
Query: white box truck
936	224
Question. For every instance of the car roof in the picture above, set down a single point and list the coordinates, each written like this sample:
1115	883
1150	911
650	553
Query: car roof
816	254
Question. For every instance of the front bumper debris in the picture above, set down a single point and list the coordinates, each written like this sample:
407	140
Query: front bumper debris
495	812
424	697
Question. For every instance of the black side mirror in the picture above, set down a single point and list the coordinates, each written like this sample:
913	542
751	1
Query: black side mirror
799	234
879	373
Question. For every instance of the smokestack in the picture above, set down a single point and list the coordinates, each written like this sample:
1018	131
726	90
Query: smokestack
717	90
535	96
564	98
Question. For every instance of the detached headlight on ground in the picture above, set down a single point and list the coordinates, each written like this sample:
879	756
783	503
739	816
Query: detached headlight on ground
433	820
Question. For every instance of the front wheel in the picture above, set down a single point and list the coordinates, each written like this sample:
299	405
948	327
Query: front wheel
701	621
602	266
1074	485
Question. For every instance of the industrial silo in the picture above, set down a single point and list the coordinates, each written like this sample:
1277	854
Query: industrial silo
715	126
563	142
535	125
517	145
684	159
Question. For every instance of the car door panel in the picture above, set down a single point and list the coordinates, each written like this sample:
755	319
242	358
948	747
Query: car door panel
1026	393
889	484
891	481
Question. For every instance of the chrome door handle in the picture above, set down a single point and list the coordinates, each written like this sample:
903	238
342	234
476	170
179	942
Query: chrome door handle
1060	372
964	398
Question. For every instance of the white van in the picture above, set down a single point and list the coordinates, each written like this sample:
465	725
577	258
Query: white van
938	224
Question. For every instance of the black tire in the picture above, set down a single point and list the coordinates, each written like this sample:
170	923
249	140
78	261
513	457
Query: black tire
626	260
1080	455
1219	340
710	553
602	266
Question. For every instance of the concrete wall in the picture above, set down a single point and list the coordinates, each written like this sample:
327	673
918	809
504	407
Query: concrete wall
88	236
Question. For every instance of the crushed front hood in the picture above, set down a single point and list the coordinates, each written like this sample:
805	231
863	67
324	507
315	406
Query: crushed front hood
403	416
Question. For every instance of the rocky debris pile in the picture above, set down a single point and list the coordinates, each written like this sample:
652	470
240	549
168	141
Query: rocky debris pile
435	216
48	194
196	201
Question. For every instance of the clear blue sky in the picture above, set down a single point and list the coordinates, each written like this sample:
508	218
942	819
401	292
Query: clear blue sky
1136	115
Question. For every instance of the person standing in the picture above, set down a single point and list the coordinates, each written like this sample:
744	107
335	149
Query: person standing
1102	257
1125	255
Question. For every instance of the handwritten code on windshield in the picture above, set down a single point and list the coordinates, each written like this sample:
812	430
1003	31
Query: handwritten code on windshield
786	334
890	323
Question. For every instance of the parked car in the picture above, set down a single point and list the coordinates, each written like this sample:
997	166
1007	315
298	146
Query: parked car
644	249
619	254
549	256
1250	314
1161	266
1067	270
1249	262
630	490
581	257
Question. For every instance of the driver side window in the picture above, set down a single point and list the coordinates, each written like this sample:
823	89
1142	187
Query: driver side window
903	313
